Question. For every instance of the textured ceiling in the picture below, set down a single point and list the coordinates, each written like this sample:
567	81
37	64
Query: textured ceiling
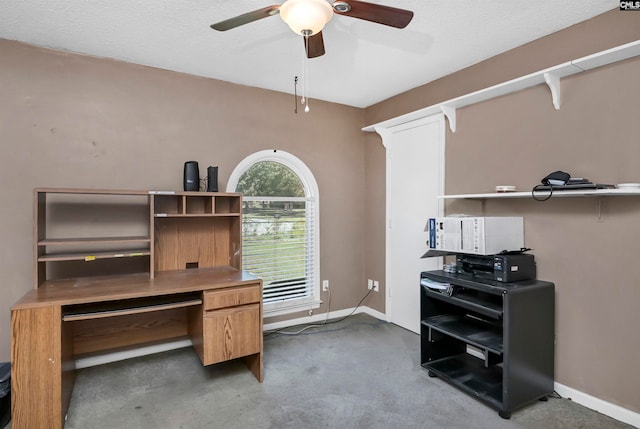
364	62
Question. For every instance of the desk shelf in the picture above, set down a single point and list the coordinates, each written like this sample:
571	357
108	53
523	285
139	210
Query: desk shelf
197	203
89	255
92	256
93	240
174	230
126	307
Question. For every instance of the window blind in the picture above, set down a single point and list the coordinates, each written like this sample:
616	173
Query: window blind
278	245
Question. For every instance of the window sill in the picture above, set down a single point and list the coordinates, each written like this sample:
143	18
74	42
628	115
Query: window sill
280	308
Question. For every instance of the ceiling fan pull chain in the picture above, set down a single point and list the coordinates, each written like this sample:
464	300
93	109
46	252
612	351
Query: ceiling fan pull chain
295	95
305	77
304	71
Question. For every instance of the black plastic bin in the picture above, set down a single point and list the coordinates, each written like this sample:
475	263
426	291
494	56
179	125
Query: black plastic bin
5	393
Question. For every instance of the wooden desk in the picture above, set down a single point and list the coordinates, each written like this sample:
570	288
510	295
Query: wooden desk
219	309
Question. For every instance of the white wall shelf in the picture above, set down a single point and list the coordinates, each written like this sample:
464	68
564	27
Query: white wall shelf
542	194
551	76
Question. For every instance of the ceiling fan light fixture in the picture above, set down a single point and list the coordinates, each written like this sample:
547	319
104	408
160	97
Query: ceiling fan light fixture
306	17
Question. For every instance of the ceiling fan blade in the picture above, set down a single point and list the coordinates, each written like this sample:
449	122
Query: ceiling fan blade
246	18
314	45
377	13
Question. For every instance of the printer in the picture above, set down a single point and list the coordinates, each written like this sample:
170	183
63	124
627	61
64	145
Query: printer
508	267
476	235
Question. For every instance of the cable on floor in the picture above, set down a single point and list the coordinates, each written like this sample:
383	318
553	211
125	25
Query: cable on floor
319	325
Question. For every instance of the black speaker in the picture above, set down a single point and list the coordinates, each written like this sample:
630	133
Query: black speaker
191	176
212	179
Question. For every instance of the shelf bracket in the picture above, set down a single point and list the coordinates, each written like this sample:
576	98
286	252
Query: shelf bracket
553	81
383	133
450	113
600	210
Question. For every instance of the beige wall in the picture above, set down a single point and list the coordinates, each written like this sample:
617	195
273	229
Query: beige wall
376	214
519	138
76	121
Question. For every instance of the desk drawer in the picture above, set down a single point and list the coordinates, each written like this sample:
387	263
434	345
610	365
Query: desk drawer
231	333
231	297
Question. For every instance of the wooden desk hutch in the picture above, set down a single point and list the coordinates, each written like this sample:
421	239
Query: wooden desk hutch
119	269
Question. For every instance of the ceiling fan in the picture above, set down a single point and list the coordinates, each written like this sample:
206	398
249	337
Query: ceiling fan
308	18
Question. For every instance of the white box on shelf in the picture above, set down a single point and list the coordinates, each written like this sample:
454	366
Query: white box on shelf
476	235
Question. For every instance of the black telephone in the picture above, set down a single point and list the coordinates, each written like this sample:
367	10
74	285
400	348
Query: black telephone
557	178
560	180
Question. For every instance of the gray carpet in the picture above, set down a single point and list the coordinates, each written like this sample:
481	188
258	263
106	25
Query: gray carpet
359	373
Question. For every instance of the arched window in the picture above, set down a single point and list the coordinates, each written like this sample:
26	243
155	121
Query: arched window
280	239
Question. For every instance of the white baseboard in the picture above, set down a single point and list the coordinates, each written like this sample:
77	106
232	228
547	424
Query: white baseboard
374	313
130	353
607	408
319	318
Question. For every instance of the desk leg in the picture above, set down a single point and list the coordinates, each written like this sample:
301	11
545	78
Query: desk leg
254	363
42	368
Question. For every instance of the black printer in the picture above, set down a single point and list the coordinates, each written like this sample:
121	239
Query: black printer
503	268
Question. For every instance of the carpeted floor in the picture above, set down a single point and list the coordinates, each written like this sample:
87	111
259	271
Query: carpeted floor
359	373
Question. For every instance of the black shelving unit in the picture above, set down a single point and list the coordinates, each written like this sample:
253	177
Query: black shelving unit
492	340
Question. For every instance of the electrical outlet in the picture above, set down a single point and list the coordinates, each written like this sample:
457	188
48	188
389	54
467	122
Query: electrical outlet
369	284
325	285
376	286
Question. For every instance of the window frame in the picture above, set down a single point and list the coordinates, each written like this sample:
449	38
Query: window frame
310	187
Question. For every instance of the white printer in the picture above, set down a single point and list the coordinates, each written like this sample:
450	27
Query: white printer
476	235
